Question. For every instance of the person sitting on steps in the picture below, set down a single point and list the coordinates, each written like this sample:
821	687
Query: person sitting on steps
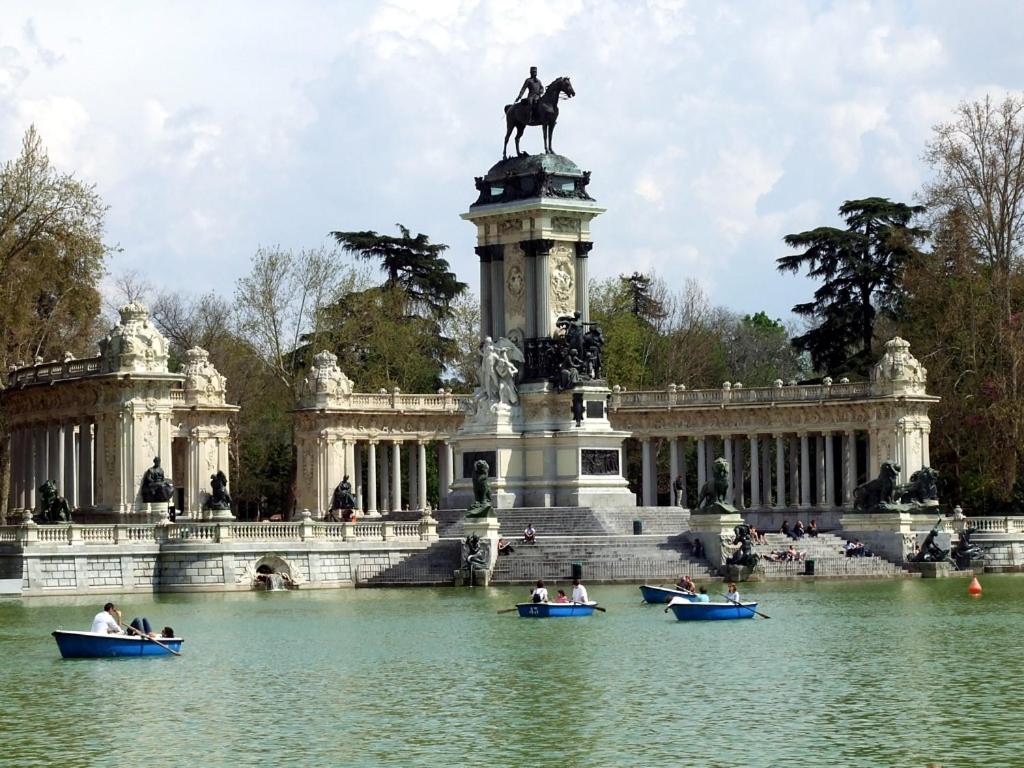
530	534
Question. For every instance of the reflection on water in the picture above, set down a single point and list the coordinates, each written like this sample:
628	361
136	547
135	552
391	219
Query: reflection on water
884	673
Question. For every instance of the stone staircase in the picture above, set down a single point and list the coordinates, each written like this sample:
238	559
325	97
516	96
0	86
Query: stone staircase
433	566
830	561
574	521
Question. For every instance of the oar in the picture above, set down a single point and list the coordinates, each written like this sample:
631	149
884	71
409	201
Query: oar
508	610
595	607
151	639
762	615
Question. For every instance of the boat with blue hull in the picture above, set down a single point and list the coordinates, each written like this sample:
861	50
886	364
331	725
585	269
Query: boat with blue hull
663	594
94	645
713	611
554	610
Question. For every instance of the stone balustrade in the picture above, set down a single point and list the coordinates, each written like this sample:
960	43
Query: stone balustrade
1014	525
55	370
424	529
676	395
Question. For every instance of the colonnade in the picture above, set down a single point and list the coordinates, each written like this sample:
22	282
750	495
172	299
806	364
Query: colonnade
767	471
59	450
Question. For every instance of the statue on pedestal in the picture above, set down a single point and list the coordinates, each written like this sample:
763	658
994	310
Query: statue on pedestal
539	108
965	551
922	489
53	507
155	486
482	506
219	496
717	488
744	554
930	552
497	372
342	500
875	494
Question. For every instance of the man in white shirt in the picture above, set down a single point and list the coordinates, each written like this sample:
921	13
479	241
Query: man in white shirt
579	592
540	593
107	621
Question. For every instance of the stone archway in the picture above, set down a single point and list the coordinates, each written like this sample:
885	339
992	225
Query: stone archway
273	572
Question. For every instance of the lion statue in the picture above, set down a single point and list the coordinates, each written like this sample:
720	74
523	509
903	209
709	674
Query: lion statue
868	496
922	488
715	489
482	506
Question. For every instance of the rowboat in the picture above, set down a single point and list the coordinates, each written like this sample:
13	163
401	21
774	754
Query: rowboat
713	611
94	645
663	594
554	610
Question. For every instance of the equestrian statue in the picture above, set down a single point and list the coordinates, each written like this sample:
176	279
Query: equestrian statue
540	107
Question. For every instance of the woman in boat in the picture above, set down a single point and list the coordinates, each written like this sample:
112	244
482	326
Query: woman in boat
731	594
561	597
540	593
685	584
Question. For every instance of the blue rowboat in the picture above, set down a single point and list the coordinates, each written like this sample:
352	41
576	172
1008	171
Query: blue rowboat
93	645
713	611
663	594
554	610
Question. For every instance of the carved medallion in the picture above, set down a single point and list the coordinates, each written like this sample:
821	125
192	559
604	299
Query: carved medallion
563	281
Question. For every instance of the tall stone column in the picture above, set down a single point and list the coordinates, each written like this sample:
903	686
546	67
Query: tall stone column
755	473
582	285
849	468
682	470
739	471
85	463
540	249
371	479
396	476
727	452
55	450
486	304
780	472
385	480
649	479
445	462
42	460
412	479
421	473
805	472
794	471
14	500
69	488
702	465
673	469
830	472
497	295
766	474
357	474
820	461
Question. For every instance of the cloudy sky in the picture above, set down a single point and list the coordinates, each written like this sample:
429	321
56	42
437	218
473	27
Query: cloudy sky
711	129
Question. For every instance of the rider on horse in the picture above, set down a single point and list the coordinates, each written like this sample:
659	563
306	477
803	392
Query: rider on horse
534	89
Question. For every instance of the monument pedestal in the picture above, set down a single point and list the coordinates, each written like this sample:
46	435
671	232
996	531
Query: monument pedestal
486	531
888	533
713	527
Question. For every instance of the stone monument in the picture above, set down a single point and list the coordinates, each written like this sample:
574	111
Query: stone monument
540	417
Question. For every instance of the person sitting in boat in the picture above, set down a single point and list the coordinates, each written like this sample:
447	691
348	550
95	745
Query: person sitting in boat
107	621
141	626
731	594
540	593
685	584
561	597
504	548
167	632
702	596
529	535
579	592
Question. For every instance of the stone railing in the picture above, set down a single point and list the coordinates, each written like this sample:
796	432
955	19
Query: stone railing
424	529
675	395
396	401
997	524
55	370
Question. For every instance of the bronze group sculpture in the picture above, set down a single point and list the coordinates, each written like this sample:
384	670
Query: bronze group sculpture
481	506
930	551
870	496
539	108
923	487
219	496
342	500
53	507
744	555
965	550
156	487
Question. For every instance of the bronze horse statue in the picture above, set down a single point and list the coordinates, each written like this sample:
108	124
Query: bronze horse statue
518	115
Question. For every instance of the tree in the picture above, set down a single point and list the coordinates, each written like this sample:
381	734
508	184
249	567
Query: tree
860	268
51	262
758	351
644	304
413	264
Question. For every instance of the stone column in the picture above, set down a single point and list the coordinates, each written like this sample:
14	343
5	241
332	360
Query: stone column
69	489
396	476
702	465
530	281
780	472
497	295
755	473
830	472
805	472
486	316
794	471
421	467
647	472
739	467
445	462
55	450
13	499
357	474
673	469
541	250
412	481
85	463
385	480
820	462
582	286
727	452
42	459
682	469
371	479
849	468
766	475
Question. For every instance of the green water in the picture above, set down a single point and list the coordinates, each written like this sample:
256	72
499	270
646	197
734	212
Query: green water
894	673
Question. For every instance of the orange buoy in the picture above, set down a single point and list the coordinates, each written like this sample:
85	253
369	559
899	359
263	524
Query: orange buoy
974	590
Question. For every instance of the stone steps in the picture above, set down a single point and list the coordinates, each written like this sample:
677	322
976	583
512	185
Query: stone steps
433	566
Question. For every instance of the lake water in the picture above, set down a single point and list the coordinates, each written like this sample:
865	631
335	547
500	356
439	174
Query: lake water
884	673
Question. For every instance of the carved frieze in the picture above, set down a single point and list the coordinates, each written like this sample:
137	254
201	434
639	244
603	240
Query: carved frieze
563	280
565	224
